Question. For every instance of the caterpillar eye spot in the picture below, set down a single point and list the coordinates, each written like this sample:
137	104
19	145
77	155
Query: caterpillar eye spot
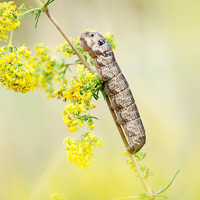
101	42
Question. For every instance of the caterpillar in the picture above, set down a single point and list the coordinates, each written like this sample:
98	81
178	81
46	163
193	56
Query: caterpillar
116	88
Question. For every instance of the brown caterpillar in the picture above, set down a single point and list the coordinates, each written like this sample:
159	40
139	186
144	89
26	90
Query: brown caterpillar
116	88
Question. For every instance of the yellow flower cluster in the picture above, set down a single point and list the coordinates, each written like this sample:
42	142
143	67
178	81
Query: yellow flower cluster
9	18
15	71
57	196
111	39
79	93
49	69
66	49
80	152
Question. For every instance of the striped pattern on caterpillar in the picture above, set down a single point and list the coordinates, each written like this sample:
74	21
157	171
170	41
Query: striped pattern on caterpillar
116	88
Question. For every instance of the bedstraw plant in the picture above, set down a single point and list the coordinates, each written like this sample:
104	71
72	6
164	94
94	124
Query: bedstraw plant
23	70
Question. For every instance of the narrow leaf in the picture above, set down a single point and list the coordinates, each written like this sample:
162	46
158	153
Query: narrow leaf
103	93
159	190
162	195
170	182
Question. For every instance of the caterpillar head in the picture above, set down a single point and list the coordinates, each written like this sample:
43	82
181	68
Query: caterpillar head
94	43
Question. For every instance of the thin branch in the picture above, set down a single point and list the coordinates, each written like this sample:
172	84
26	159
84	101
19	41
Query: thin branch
88	67
30	11
144	182
146	186
115	120
75	63
139	173
39	3
11	37
67	39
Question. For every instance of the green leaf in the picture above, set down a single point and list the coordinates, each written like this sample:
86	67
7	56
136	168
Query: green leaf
94	117
37	16
161	195
160	191
170	182
108	79
103	93
15	16
49	2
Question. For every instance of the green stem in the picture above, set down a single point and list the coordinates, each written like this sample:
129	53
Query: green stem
146	186
29	11
39	3
10	39
139	173
67	39
76	63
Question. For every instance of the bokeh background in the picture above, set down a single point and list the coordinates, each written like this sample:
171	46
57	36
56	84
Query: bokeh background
159	53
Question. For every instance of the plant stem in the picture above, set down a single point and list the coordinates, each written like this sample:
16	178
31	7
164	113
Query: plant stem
29	11
146	186
118	126
144	182
76	63
67	39
139	173
10	38
39	3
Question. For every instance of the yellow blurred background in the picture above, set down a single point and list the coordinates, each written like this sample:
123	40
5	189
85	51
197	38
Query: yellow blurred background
159	53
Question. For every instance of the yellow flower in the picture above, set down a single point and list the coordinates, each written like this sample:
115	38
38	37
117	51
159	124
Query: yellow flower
16	72
9	18
80	93
111	39
80	68
80	152
99	142
48	70
92	126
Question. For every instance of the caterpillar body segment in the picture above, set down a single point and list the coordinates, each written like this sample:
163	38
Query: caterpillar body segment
116	88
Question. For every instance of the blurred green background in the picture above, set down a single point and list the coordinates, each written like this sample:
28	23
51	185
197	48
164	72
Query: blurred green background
159	53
